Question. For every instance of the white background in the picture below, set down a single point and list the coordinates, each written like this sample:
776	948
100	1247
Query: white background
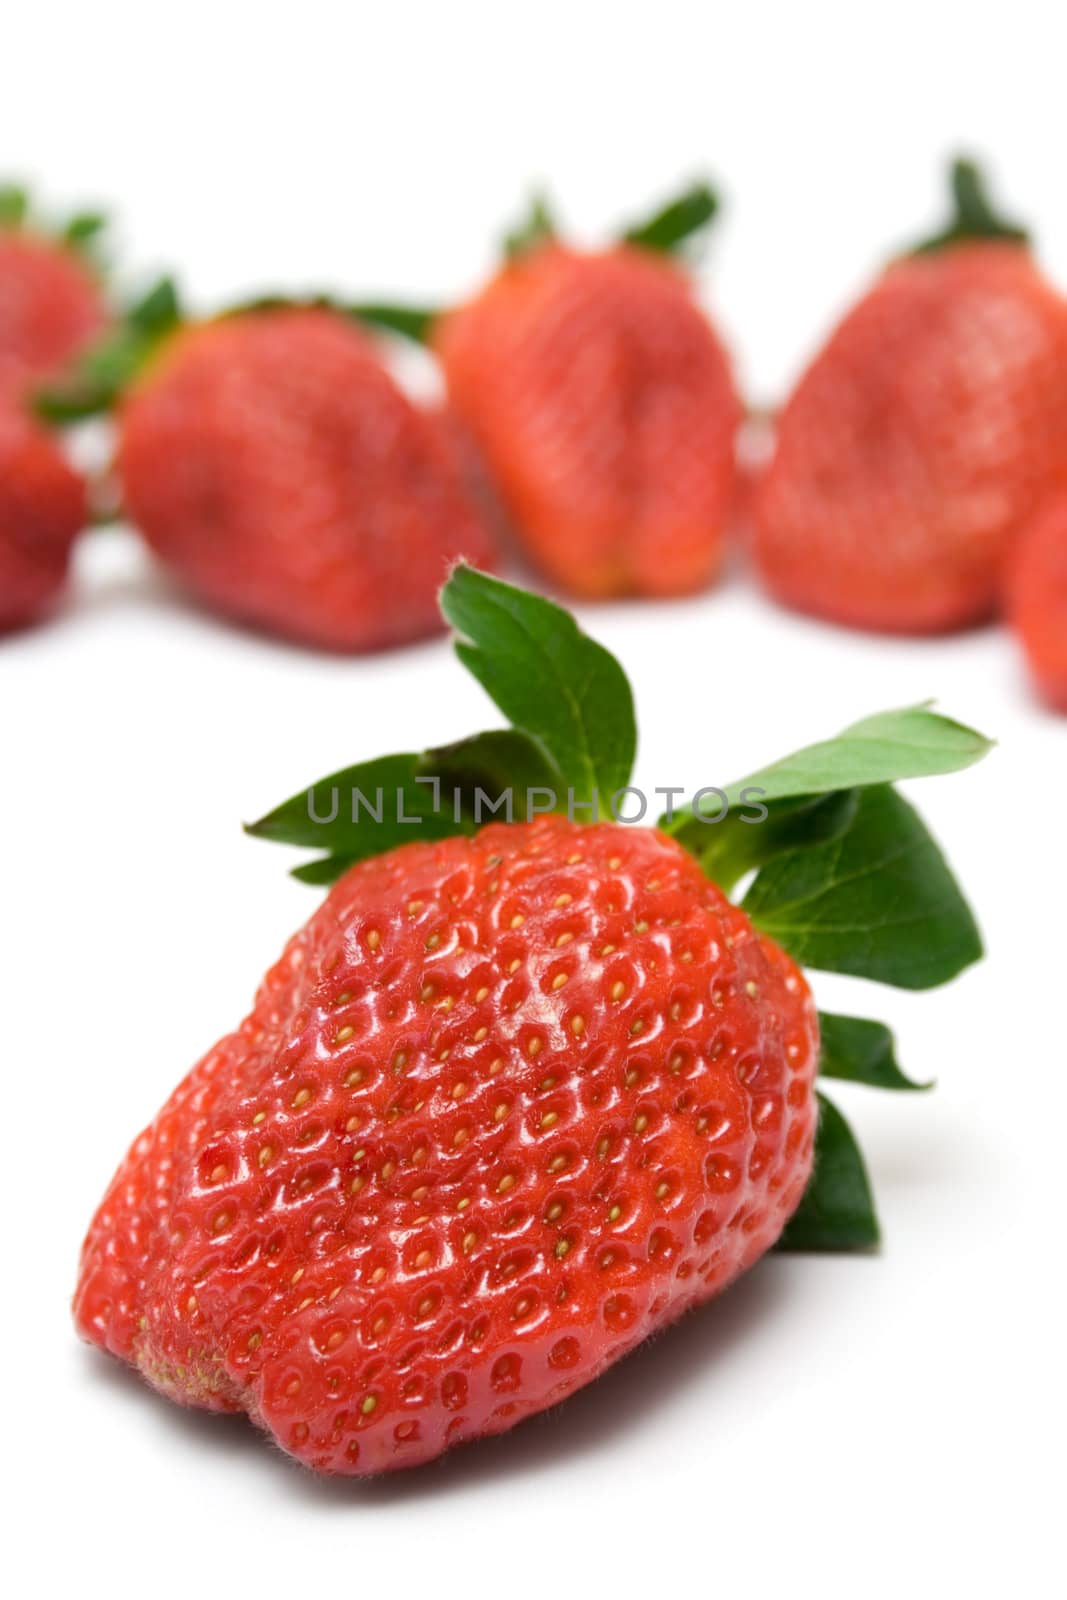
841	1426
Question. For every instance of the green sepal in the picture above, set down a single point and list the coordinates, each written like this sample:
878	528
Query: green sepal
914	742
323	871
974	215
362	811
497	775
752	833
878	901
861	1051
837	1209
14	205
677	223
415	323
536	228
549	679
101	377
85	233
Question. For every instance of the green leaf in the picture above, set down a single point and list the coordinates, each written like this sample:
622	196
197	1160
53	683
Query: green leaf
158	312
913	743
548	678
83	231
974	214
878	901
501	775
752	833
14	205
675	223
537	227
362	811
861	1052
837	1210
416	323
104	373
323	871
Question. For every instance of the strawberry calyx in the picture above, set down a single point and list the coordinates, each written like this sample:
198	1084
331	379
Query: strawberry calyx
820	849
974	216
98	380
672	229
81	232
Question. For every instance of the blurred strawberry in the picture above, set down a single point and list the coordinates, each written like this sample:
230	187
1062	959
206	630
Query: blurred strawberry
42	510
919	441
1037	598
52	303
603	403
272	462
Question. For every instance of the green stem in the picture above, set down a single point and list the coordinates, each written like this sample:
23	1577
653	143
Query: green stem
974	215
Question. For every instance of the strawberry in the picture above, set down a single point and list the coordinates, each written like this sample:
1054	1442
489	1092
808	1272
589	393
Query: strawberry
43	507
1037	599
603	403
271	461
517	1095
918	442
52	304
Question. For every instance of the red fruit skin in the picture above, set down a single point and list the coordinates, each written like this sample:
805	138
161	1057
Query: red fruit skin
272	462
917	444
606	412
1037	598
43	508
51	309
506	1106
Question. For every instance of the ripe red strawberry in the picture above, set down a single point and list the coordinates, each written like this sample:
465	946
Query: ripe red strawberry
603	403
516	1096
43	507
52	304
272	462
921	438
1037	599
506	1105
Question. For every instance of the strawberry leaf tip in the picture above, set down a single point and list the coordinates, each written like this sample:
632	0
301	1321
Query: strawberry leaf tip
861	1051
549	679
537	227
677	222
837	1209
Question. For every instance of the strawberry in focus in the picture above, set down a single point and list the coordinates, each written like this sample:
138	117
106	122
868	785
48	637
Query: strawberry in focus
52	303
603	403
274	465
505	1106
1037	599
920	440
519	1094
43	508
